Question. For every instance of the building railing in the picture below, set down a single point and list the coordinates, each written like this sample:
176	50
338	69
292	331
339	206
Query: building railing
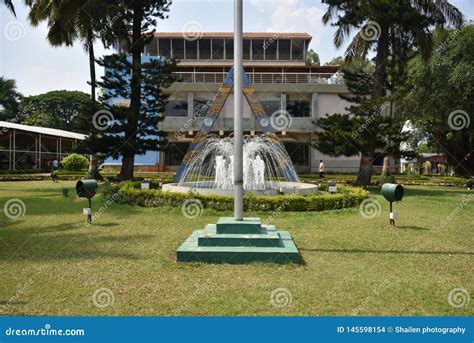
263	77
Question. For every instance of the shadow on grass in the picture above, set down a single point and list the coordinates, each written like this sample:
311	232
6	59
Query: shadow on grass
412	227
370	251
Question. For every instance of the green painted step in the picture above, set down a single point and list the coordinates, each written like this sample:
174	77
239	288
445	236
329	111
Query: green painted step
189	251
268	237
247	225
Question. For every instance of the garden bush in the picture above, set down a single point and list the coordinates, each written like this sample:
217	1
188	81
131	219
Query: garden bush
75	162
130	193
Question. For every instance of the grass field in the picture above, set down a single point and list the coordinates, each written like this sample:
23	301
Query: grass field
52	263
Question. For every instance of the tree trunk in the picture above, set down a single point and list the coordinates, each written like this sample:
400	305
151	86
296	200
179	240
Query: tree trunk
365	171
365	168
93	172
128	159
92	68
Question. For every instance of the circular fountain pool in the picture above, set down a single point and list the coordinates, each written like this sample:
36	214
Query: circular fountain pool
286	187
267	168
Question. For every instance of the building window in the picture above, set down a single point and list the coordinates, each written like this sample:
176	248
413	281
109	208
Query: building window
257	49
297	49
298	105
205	49
229	49
271	102
217	49
175	153
202	101
299	153
271	49
151	48
178	48
177	105
191	50
284	49
165	47
246	48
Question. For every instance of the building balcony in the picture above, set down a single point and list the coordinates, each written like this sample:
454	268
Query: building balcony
183	125
263	78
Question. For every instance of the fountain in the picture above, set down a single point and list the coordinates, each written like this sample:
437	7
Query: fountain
267	168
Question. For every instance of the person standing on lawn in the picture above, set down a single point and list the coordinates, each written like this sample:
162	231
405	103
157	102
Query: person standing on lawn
321	169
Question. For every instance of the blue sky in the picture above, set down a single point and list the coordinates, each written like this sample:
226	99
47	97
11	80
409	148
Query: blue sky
26	56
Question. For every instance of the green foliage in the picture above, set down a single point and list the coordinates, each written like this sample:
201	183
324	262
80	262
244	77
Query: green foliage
434	90
347	197
64	110
312	58
75	162
9	99
126	132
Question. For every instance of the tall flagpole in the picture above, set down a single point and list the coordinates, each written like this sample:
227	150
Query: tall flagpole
238	105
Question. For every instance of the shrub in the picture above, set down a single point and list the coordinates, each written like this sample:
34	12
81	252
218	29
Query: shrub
347	197
75	162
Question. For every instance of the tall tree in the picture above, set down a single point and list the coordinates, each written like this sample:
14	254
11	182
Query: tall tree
393	29
9	99
437	97
64	110
139	16
112	134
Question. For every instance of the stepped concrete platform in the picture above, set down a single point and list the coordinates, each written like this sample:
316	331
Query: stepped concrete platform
237	242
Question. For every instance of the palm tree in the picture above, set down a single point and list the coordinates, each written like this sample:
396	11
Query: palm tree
68	22
10	6
394	30
9	99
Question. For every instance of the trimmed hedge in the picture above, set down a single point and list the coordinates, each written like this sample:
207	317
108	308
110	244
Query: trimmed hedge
346	197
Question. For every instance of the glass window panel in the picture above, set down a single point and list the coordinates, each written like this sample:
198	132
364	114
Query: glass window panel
246	48
165	47
299	153
202	101
257	49
217	49
297	49
204	49
177	105
298	105
284	49
191	50
178	48
229	49
270	49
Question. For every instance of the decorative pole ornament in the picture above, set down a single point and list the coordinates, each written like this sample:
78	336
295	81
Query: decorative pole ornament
238	108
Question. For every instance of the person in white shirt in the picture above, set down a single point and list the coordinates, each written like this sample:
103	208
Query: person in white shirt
321	169
55	164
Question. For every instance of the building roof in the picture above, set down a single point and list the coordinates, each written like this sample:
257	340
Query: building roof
43	130
262	35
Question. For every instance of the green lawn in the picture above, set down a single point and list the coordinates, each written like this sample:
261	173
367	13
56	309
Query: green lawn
51	262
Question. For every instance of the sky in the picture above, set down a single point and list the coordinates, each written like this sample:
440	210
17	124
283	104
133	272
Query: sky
26	56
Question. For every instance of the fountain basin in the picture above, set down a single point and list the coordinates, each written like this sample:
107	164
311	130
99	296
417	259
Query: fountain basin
206	188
